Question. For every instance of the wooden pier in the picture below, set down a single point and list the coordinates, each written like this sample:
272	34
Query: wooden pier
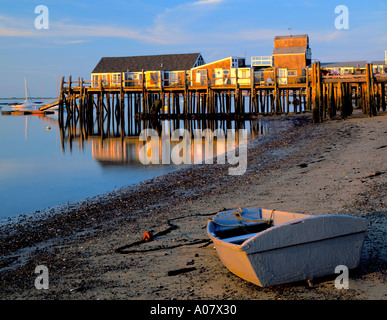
323	96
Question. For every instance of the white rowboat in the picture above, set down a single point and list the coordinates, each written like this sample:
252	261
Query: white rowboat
268	247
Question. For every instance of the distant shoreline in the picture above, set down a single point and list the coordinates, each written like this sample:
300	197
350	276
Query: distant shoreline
22	98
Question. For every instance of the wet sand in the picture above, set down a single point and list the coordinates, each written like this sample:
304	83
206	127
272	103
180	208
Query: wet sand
338	167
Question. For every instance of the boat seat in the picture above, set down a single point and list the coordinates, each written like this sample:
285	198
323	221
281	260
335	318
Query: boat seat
240	239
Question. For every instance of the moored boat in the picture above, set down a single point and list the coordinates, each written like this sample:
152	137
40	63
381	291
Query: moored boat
269	247
26	104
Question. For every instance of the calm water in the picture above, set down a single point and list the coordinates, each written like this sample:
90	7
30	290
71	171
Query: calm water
39	170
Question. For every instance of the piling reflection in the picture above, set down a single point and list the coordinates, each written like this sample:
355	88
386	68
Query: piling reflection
115	142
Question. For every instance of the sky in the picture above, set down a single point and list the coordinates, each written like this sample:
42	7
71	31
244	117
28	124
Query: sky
80	32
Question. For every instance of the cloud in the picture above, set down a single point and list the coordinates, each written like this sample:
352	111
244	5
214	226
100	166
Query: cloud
71	41
15	27
14	32
175	25
185	23
207	2
109	31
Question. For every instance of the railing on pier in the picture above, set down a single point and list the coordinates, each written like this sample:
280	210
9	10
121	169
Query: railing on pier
262	61
213	81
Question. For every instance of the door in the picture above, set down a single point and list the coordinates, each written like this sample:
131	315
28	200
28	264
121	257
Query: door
218	76
282	76
226	76
201	76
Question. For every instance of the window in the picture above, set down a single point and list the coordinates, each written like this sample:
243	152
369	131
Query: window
292	73
116	78
104	79
199	61
95	80
154	77
283	72
173	78
201	76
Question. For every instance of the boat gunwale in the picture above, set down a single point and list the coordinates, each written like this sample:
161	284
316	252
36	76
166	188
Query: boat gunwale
245	244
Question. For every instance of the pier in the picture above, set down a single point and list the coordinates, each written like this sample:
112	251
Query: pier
222	98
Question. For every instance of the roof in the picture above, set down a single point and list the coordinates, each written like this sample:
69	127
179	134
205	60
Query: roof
380	62
291	37
290	50
348	64
168	62
212	62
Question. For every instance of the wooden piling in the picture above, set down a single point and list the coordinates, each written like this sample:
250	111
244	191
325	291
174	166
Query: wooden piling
370	98
323	96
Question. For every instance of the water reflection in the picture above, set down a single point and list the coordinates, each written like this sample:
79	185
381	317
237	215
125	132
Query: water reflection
122	146
47	161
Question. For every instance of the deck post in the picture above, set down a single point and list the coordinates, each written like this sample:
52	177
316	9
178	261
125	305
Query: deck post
276	92
236	96
60	98
371	110
143	92
100	107
185	93
319	92
81	111
307	91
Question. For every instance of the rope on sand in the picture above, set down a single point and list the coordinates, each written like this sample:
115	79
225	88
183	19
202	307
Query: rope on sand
172	226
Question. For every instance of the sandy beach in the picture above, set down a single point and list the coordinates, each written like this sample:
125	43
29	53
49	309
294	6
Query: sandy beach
337	167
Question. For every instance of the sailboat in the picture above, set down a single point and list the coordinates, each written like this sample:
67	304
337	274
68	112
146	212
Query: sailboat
24	104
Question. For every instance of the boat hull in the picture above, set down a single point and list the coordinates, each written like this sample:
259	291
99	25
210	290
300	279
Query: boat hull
301	249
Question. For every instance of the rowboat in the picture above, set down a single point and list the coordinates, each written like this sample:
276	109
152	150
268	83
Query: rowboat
269	247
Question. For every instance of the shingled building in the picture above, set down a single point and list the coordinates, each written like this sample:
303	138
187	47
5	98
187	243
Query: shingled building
171	67
292	55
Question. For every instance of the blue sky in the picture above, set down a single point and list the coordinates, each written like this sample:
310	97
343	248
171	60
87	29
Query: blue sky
81	32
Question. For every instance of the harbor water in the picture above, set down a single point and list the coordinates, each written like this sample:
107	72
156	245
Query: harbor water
42	169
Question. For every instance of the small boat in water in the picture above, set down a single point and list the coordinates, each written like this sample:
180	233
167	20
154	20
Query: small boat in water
26	104
23	105
269	247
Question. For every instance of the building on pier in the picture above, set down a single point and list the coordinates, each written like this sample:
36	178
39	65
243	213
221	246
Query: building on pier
221	72
379	66
346	67
169	68
291	56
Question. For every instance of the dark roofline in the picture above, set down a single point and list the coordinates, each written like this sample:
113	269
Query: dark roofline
379	62
345	64
291	37
157	55
168	62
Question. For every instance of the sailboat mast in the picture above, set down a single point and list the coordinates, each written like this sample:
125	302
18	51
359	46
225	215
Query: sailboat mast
25	87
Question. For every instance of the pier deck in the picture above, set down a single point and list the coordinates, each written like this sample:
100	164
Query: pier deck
239	98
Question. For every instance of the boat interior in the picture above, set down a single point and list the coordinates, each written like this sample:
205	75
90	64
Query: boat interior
237	226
